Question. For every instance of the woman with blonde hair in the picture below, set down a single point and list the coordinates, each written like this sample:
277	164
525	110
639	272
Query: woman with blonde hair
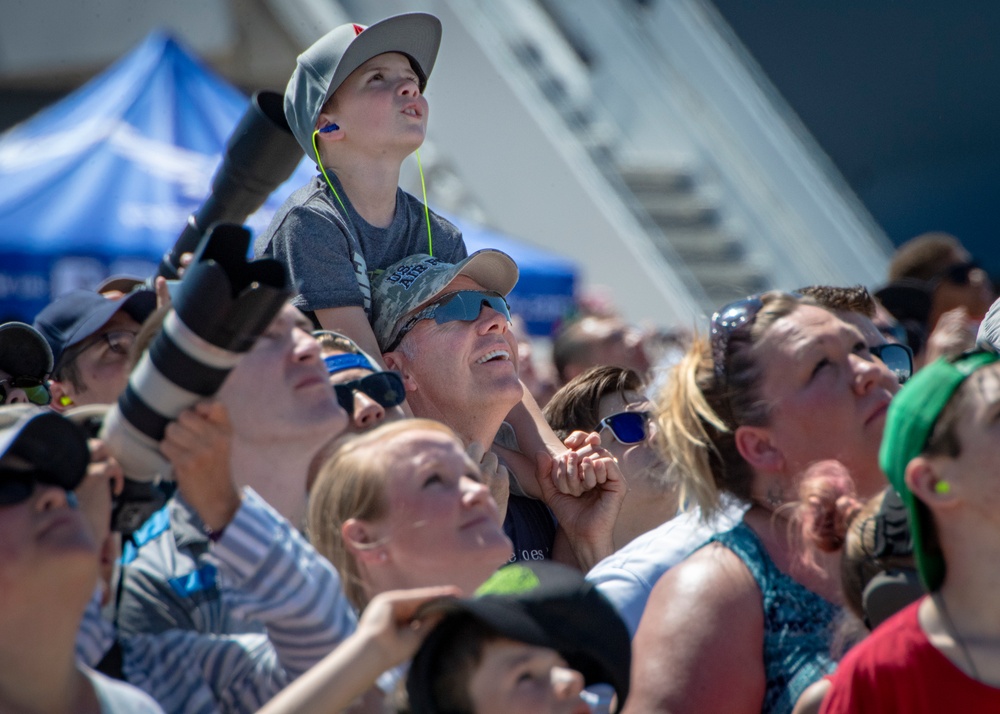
743	624
403	506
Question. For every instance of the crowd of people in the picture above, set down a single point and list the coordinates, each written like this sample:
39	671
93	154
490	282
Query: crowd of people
391	504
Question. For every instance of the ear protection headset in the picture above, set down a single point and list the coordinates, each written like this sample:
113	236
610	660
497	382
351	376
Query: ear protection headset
896	587
890	592
328	128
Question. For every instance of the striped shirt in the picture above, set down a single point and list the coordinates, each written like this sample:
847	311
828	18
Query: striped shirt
267	574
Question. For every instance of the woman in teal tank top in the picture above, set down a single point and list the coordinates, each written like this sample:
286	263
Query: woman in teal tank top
744	624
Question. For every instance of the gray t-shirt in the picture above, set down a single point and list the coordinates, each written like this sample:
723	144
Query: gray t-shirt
309	236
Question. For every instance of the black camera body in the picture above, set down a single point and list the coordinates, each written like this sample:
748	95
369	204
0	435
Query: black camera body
220	308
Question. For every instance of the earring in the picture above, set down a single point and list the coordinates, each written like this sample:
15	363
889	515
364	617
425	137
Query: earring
942	487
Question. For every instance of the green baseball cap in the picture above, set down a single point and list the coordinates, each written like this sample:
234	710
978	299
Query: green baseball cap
911	418
414	280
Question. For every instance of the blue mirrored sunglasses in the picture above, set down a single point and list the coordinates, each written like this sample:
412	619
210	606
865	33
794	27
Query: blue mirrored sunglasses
386	388
898	358
626	427
464	305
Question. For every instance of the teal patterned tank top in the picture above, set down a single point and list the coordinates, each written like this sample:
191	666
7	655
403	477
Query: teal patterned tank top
797	624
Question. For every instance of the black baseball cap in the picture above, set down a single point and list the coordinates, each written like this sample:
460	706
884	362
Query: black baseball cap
24	352
540	603
54	446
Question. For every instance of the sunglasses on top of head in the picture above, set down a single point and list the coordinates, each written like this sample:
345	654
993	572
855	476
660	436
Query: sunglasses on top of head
627	427
36	390
386	388
464	305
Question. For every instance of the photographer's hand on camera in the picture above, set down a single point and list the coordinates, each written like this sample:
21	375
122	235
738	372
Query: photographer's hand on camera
161	286
197	446
104	479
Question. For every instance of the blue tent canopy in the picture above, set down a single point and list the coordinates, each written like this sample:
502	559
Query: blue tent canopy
103	182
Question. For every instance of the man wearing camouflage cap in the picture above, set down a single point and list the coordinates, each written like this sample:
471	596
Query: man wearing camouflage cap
446	329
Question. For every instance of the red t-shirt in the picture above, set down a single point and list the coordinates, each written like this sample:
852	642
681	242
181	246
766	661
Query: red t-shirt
897	669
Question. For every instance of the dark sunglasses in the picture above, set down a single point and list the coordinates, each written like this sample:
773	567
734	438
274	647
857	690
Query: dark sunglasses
957	274
626	427
898	358
17	485
464	305
37	390
386	388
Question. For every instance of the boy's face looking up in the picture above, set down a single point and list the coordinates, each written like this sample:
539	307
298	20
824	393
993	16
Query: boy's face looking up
379	106
517	677
972	472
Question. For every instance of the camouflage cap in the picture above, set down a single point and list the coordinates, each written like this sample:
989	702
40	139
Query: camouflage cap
416	279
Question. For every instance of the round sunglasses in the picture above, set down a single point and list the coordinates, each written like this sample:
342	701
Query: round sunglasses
386	388
36	390
464	305
627	427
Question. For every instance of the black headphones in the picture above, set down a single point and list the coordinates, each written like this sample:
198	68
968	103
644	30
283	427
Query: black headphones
893	589
888	593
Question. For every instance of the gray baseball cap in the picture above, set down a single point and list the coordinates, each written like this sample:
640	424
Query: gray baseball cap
321	69
408	284
24	351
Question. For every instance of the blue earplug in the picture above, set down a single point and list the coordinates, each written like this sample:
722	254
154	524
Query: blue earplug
328	128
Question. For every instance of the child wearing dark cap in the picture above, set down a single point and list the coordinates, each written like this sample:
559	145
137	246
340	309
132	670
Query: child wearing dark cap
355	104
536	637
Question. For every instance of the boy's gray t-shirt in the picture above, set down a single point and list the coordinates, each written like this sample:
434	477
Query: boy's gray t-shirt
309	236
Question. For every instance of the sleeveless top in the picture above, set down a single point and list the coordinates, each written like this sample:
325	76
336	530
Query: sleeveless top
798	624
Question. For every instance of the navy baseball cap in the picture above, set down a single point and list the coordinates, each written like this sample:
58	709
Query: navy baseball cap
77	315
